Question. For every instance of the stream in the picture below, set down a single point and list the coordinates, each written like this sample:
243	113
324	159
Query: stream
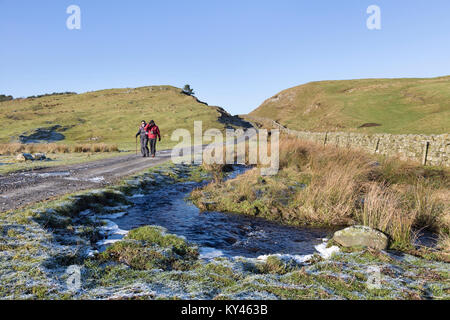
217	234
158	198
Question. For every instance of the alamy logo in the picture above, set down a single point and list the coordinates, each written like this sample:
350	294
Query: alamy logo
374	279
74	20
374	20
74	280
251	147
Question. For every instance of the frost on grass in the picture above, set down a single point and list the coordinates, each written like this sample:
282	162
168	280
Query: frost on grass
37	246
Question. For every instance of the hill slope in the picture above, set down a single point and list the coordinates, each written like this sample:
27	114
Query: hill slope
110	116
379	105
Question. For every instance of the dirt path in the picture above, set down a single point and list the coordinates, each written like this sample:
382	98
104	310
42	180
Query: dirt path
20	189
23	188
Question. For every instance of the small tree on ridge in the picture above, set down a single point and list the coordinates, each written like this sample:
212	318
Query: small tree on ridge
188	90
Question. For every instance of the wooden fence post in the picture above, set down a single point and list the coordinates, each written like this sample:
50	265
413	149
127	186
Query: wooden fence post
425	153
377	145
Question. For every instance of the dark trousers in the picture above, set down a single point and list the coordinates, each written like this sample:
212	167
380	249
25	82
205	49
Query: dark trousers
144	146
153	146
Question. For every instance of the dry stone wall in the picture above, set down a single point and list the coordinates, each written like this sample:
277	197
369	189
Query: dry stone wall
427	149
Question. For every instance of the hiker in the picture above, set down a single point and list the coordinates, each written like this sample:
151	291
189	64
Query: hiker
153	133
144	139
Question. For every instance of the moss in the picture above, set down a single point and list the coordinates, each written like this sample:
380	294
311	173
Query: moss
222	275
136	256
363	256
220	269
40	292
274	265
12	233
296	293
352	286
430	254
155	235
65	260
148	248
331	266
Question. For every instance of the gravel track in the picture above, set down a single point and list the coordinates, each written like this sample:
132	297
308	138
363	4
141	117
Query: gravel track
20	189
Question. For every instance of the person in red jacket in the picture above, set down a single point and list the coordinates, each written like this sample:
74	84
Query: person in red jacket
153	133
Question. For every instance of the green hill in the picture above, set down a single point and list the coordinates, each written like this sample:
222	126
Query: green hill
109	116
369	105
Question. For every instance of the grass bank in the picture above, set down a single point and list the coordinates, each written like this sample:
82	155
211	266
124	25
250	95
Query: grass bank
56	155
328	186
40	244
7	149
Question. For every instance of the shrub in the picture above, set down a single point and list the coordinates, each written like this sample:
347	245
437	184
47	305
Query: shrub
5	98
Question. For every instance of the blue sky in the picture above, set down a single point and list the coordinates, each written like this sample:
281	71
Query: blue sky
234	53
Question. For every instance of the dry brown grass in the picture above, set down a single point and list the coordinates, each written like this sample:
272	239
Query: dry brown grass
386	210
332	195
444	243
429	209
16	148
337	178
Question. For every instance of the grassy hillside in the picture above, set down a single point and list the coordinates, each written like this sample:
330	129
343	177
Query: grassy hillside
107	116
380	105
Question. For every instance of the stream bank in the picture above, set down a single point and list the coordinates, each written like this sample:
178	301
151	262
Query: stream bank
108	235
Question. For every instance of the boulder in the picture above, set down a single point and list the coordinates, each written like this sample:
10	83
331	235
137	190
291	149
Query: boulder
39	156
25	157
361	236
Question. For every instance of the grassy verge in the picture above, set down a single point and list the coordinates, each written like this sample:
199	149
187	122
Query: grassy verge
152	275
328	186
15	148
8	163
39	242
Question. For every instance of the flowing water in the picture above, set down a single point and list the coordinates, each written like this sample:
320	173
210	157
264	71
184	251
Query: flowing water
217	234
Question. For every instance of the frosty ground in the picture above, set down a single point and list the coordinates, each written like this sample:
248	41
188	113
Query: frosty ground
38	244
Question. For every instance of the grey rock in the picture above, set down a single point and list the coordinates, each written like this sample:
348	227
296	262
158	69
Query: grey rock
39	156
25	157
361	236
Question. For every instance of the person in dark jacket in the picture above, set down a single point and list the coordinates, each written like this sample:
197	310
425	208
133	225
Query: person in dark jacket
153	133
144	139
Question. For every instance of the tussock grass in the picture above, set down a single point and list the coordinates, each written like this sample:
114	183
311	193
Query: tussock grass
147	248
16	148
444	243
386	210
327	186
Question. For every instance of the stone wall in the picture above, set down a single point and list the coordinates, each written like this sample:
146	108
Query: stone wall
430	150
426	149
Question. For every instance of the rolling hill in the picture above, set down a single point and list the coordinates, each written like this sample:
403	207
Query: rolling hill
395	106
109	116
